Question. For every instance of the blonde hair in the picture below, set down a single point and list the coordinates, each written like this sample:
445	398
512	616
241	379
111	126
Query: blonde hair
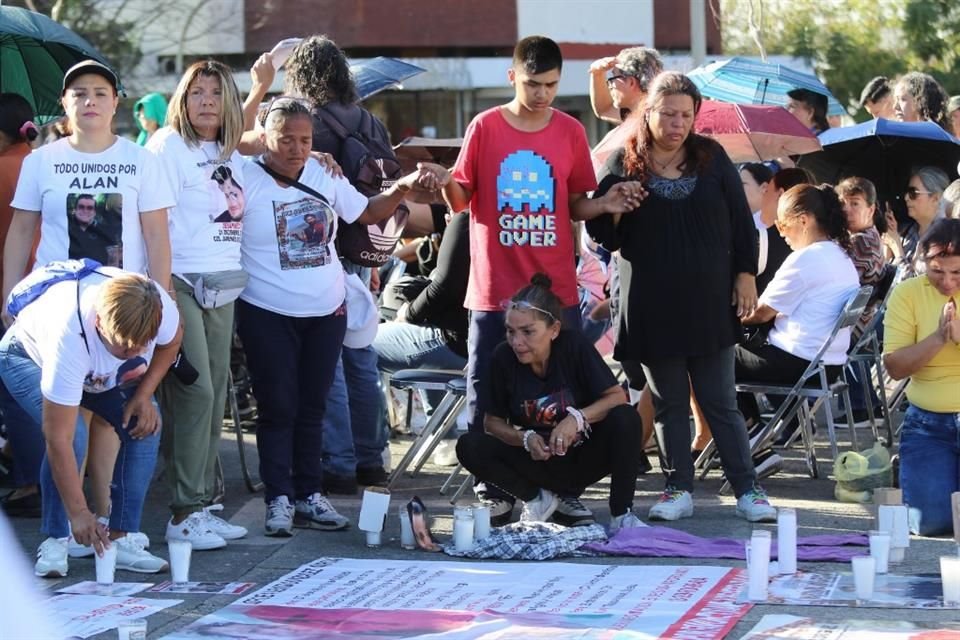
231	117
129	310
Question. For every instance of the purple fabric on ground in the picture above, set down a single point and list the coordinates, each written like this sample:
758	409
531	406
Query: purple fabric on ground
663	542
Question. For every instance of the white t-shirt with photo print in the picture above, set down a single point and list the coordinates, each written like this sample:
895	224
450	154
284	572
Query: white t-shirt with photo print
90	203
49	329
288	235
207	221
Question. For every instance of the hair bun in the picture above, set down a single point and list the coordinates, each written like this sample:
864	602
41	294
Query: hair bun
541	280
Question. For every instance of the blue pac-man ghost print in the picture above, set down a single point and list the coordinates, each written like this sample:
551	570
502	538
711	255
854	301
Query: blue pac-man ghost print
525	178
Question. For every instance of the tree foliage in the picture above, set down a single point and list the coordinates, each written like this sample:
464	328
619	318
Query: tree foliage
102	24
848	42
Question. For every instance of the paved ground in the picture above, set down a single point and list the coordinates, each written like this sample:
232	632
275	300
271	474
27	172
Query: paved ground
260	559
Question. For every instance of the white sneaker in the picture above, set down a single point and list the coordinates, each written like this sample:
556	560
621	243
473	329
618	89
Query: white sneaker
52	558
672	505
220	526
133	557
629	520
755	506
195	530
279	520
77	550
445	455
316	512
540	508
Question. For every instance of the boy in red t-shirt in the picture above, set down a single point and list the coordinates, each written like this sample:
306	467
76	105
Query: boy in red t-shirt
523	172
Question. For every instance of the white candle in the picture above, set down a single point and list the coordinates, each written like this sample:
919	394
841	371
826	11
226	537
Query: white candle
132	630
880	549
950	576
758	566
463	532
864	570
106	564
179	560
481	521
407	540
787	540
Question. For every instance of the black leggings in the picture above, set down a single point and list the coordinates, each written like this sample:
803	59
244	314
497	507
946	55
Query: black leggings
613	448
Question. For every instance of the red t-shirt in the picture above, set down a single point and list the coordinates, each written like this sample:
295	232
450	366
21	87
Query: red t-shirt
519	210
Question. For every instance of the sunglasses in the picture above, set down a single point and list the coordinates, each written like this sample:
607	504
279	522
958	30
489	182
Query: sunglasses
913	193
523	305
617	76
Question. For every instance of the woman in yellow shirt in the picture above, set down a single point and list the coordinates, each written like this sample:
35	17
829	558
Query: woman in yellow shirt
922	341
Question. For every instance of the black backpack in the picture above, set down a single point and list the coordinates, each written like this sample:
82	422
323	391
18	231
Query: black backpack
371	166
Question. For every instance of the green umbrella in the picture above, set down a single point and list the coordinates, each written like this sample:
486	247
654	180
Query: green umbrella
35	52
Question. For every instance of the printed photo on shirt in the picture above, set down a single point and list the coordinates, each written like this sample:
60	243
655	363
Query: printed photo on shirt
304	230
95	227
233	193
546	412
130	372
526	189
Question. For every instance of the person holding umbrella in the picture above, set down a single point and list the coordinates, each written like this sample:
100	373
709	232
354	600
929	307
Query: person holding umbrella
688	265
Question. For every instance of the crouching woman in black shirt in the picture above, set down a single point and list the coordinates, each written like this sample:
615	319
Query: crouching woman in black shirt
557	420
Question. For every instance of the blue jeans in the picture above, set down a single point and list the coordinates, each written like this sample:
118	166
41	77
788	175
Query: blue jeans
291	362
930	468
401	345
136	459
354	428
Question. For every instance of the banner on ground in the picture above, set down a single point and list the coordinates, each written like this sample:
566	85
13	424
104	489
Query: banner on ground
84	615
795	628
837	590
331	598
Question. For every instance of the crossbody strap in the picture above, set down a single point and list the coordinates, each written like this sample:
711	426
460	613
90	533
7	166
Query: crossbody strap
83	333
292	182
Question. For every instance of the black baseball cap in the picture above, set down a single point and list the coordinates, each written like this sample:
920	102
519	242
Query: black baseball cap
90	66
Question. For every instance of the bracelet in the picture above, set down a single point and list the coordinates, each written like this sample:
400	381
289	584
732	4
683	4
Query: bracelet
583	427
526	439
578	416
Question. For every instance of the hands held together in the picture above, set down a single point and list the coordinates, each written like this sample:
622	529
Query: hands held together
950	323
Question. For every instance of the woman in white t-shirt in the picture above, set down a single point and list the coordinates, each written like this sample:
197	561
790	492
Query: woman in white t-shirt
101	341
197	150
292	315
93	195
806	295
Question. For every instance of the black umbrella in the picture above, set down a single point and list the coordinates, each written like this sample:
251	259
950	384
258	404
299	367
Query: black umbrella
35	52
885	152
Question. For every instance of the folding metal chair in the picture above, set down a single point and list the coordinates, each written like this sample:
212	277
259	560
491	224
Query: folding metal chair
867	352
443	419
812	384
253	485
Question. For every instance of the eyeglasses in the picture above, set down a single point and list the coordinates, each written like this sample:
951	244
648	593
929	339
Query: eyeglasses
783	224
523	305
913	193
617	76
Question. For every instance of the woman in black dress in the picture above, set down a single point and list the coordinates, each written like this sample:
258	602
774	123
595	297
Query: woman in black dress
688	264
